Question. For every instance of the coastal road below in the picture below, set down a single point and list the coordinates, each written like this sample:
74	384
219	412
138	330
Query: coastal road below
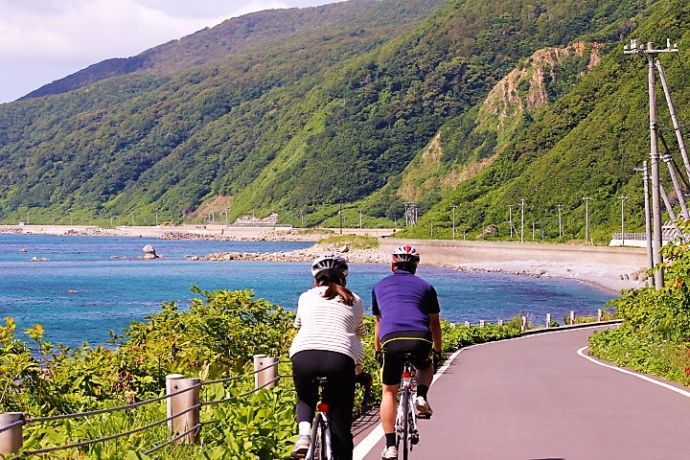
535	398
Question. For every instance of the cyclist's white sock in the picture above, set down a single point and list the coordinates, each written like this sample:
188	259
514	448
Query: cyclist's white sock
304	428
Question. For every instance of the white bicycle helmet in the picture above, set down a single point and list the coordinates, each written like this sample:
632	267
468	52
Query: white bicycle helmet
405	254
329	262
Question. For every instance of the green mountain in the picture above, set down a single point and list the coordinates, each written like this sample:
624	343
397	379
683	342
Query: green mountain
361	105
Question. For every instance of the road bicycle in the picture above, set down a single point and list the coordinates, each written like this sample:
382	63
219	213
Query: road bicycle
321	447
406	431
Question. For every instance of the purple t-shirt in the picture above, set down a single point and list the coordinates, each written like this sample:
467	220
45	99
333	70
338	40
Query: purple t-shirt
403	302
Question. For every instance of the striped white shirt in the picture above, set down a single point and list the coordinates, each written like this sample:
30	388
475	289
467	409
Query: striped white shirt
329	325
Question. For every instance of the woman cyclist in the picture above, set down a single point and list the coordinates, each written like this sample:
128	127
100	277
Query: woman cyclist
329	319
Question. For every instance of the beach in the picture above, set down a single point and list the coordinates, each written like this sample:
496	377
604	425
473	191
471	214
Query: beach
611	269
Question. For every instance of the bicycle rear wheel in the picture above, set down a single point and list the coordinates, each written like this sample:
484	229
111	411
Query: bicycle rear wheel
314	452
406	423
325	441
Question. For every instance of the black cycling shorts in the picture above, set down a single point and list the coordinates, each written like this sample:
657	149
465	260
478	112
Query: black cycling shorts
394	346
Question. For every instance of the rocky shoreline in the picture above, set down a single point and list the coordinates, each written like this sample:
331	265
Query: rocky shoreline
358	256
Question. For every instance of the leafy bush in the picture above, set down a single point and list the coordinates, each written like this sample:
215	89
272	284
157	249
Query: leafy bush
655	334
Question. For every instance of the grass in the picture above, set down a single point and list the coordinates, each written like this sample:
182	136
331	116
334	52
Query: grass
352	241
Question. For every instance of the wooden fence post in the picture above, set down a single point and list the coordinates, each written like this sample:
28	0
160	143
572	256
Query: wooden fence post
169	382
548	320
184	402
572	317
524	324
599	315
266	371
11	440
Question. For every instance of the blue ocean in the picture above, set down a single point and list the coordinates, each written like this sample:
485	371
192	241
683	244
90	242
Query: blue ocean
91	285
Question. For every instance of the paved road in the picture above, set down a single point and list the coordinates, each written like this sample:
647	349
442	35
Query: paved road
536	399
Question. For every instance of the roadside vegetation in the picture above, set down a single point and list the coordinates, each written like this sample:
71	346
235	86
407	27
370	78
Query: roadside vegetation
655	335
351	241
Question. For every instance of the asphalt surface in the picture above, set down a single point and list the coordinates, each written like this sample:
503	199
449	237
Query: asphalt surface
534	398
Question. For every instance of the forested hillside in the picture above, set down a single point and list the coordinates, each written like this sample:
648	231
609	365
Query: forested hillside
480	104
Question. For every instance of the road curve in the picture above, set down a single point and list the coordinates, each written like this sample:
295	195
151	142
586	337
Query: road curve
535	398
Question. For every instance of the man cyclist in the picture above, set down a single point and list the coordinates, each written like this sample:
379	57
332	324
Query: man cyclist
406	312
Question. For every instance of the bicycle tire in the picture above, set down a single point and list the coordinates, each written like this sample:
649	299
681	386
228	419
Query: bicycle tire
326	446
406	425
315	434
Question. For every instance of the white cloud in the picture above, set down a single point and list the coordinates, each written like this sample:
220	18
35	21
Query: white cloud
85	30
55	35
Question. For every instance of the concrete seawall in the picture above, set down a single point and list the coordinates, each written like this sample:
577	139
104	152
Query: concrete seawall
609	267
459	252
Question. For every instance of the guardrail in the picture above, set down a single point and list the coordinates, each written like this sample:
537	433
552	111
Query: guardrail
183	404
526	322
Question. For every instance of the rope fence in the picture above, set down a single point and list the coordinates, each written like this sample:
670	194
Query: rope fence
112	436
30	420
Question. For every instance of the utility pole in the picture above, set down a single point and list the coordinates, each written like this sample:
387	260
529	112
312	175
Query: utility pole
672	110
340	210
560	220
510	219
522	220
453	207
650	53
666	158
622	198
647	216
410	214
586	218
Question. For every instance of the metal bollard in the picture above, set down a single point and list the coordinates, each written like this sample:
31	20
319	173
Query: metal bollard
181	403
481	323
548	320
11	440
266	371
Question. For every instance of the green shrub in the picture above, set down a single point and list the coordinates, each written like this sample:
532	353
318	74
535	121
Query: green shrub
655	334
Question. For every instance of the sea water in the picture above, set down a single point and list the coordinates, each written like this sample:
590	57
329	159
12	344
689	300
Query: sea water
91	285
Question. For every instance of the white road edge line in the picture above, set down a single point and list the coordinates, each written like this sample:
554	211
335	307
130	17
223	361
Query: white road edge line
365	446
681	392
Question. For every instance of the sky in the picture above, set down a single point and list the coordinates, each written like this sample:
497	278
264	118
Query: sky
45	40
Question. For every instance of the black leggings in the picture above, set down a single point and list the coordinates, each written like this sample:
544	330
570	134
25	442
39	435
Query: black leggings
339	393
